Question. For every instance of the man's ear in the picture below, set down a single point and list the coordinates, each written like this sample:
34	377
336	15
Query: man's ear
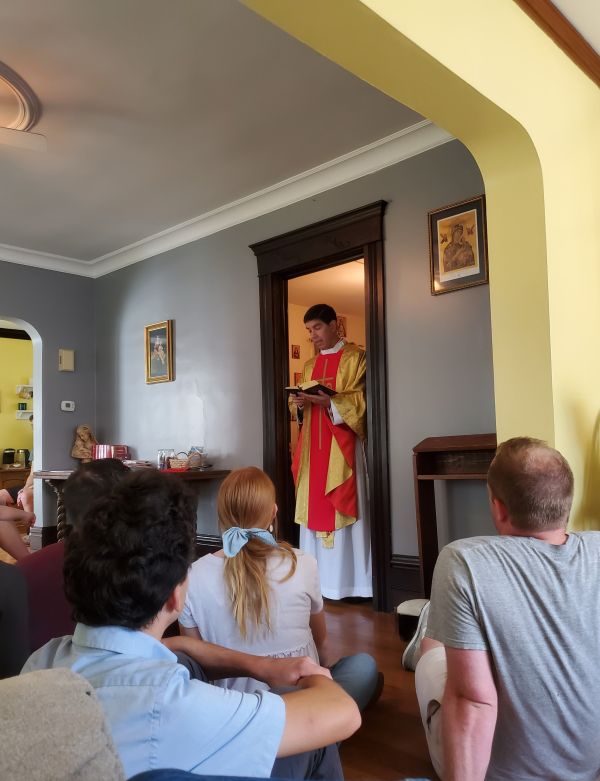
176	598
498	510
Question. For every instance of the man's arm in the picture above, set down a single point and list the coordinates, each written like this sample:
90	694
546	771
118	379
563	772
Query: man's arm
469	711
218	662
319	714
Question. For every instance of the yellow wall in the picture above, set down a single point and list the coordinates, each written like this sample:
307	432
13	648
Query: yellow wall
16	368
531	118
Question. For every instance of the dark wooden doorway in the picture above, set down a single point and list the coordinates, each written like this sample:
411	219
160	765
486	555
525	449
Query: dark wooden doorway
346	237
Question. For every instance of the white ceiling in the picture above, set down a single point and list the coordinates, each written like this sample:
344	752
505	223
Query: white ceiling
584	15
342	287
156	112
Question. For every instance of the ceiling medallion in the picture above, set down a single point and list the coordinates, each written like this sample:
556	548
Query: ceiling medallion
20	108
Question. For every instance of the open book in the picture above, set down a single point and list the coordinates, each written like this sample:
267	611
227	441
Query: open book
312	387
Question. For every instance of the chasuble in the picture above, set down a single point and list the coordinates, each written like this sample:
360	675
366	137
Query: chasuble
329	473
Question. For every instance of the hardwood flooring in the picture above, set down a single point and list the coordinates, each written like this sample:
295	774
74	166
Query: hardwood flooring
391	744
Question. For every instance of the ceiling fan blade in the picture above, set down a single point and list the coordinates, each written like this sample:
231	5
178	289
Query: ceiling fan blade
23	139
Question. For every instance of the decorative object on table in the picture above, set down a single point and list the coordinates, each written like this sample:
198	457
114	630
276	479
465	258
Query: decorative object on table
8	455
22	457
196	456
458	246
297	378
178	464
164	457
110	451
139	463
158	344
84	441
295	351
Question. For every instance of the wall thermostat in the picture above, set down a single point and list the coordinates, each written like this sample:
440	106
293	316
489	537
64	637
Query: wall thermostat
67	406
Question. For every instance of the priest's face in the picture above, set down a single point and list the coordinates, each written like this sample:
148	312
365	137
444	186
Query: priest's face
322	335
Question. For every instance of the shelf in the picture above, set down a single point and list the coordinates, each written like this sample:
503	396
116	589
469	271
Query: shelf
23	414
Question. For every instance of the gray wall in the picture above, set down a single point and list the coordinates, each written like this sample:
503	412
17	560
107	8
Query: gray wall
439	348
60	308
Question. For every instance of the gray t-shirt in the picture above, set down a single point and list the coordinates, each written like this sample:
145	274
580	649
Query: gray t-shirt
536	608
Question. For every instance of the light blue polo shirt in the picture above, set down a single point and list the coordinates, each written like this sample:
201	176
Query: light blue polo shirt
159	717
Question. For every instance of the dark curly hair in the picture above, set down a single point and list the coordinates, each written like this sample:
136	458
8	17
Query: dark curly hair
129	551
90	482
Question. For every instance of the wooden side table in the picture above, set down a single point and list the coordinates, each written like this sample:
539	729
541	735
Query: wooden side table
465	457
56	479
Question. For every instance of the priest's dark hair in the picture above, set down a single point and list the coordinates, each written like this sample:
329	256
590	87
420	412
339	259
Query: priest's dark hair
322	312
130	550
92	481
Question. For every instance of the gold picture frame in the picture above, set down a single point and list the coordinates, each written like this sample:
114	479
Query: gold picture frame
158	343
458	246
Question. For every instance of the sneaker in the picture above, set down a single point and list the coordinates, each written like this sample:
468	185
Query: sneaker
412	652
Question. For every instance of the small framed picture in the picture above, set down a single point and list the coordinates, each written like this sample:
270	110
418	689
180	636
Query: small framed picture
458	246
158	342
297	378
295	351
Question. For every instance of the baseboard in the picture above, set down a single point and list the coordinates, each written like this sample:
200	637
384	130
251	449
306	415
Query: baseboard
405	579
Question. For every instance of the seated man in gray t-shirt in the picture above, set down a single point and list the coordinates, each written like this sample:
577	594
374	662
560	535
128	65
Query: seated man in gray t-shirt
509	680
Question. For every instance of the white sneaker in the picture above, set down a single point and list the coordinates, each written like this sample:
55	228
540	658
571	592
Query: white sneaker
412	652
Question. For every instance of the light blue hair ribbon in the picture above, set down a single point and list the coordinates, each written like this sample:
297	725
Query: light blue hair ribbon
235	538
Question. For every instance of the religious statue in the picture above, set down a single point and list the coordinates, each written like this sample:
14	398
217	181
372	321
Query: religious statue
82	446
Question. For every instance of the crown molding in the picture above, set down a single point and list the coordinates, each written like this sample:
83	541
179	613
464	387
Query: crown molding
45	260
406	143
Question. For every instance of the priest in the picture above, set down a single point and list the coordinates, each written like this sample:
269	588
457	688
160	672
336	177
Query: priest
329	463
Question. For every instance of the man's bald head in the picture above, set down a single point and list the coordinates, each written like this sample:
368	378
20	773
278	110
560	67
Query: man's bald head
534	482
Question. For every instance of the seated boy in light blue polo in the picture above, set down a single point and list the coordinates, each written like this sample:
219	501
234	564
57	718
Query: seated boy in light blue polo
125	574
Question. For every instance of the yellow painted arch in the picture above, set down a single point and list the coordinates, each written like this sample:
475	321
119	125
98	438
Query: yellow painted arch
487	74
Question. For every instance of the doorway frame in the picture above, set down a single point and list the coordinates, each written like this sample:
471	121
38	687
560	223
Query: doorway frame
331	242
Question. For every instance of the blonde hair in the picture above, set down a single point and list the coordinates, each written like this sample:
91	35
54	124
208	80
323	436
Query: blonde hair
246	499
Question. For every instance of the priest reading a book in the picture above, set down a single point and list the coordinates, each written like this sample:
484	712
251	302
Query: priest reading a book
329	463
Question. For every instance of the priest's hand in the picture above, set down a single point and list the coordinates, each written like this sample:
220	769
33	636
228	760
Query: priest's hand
321	399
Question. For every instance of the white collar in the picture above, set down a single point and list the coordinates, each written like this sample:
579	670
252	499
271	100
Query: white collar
335	349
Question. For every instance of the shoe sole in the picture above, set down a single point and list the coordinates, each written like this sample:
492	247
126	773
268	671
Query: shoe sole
409	650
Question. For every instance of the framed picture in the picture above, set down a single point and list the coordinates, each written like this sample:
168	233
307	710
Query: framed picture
341	327
158	343
458	246
297	378
295	351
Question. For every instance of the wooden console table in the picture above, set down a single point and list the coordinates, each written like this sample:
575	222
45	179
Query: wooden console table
444	458
56	479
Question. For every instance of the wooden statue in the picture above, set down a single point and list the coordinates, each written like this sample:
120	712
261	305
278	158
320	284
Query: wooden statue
82	446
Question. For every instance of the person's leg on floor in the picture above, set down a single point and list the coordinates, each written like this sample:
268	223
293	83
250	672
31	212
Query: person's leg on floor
322	764
430	682
359	677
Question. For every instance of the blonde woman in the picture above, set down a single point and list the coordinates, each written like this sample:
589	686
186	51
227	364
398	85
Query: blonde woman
261	596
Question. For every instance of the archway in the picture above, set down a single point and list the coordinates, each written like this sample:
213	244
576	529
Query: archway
36	340
540	166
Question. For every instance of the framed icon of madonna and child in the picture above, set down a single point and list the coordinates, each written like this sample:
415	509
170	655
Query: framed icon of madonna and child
158	342
458	246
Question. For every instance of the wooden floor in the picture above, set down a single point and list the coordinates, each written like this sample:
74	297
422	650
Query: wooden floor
390	744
